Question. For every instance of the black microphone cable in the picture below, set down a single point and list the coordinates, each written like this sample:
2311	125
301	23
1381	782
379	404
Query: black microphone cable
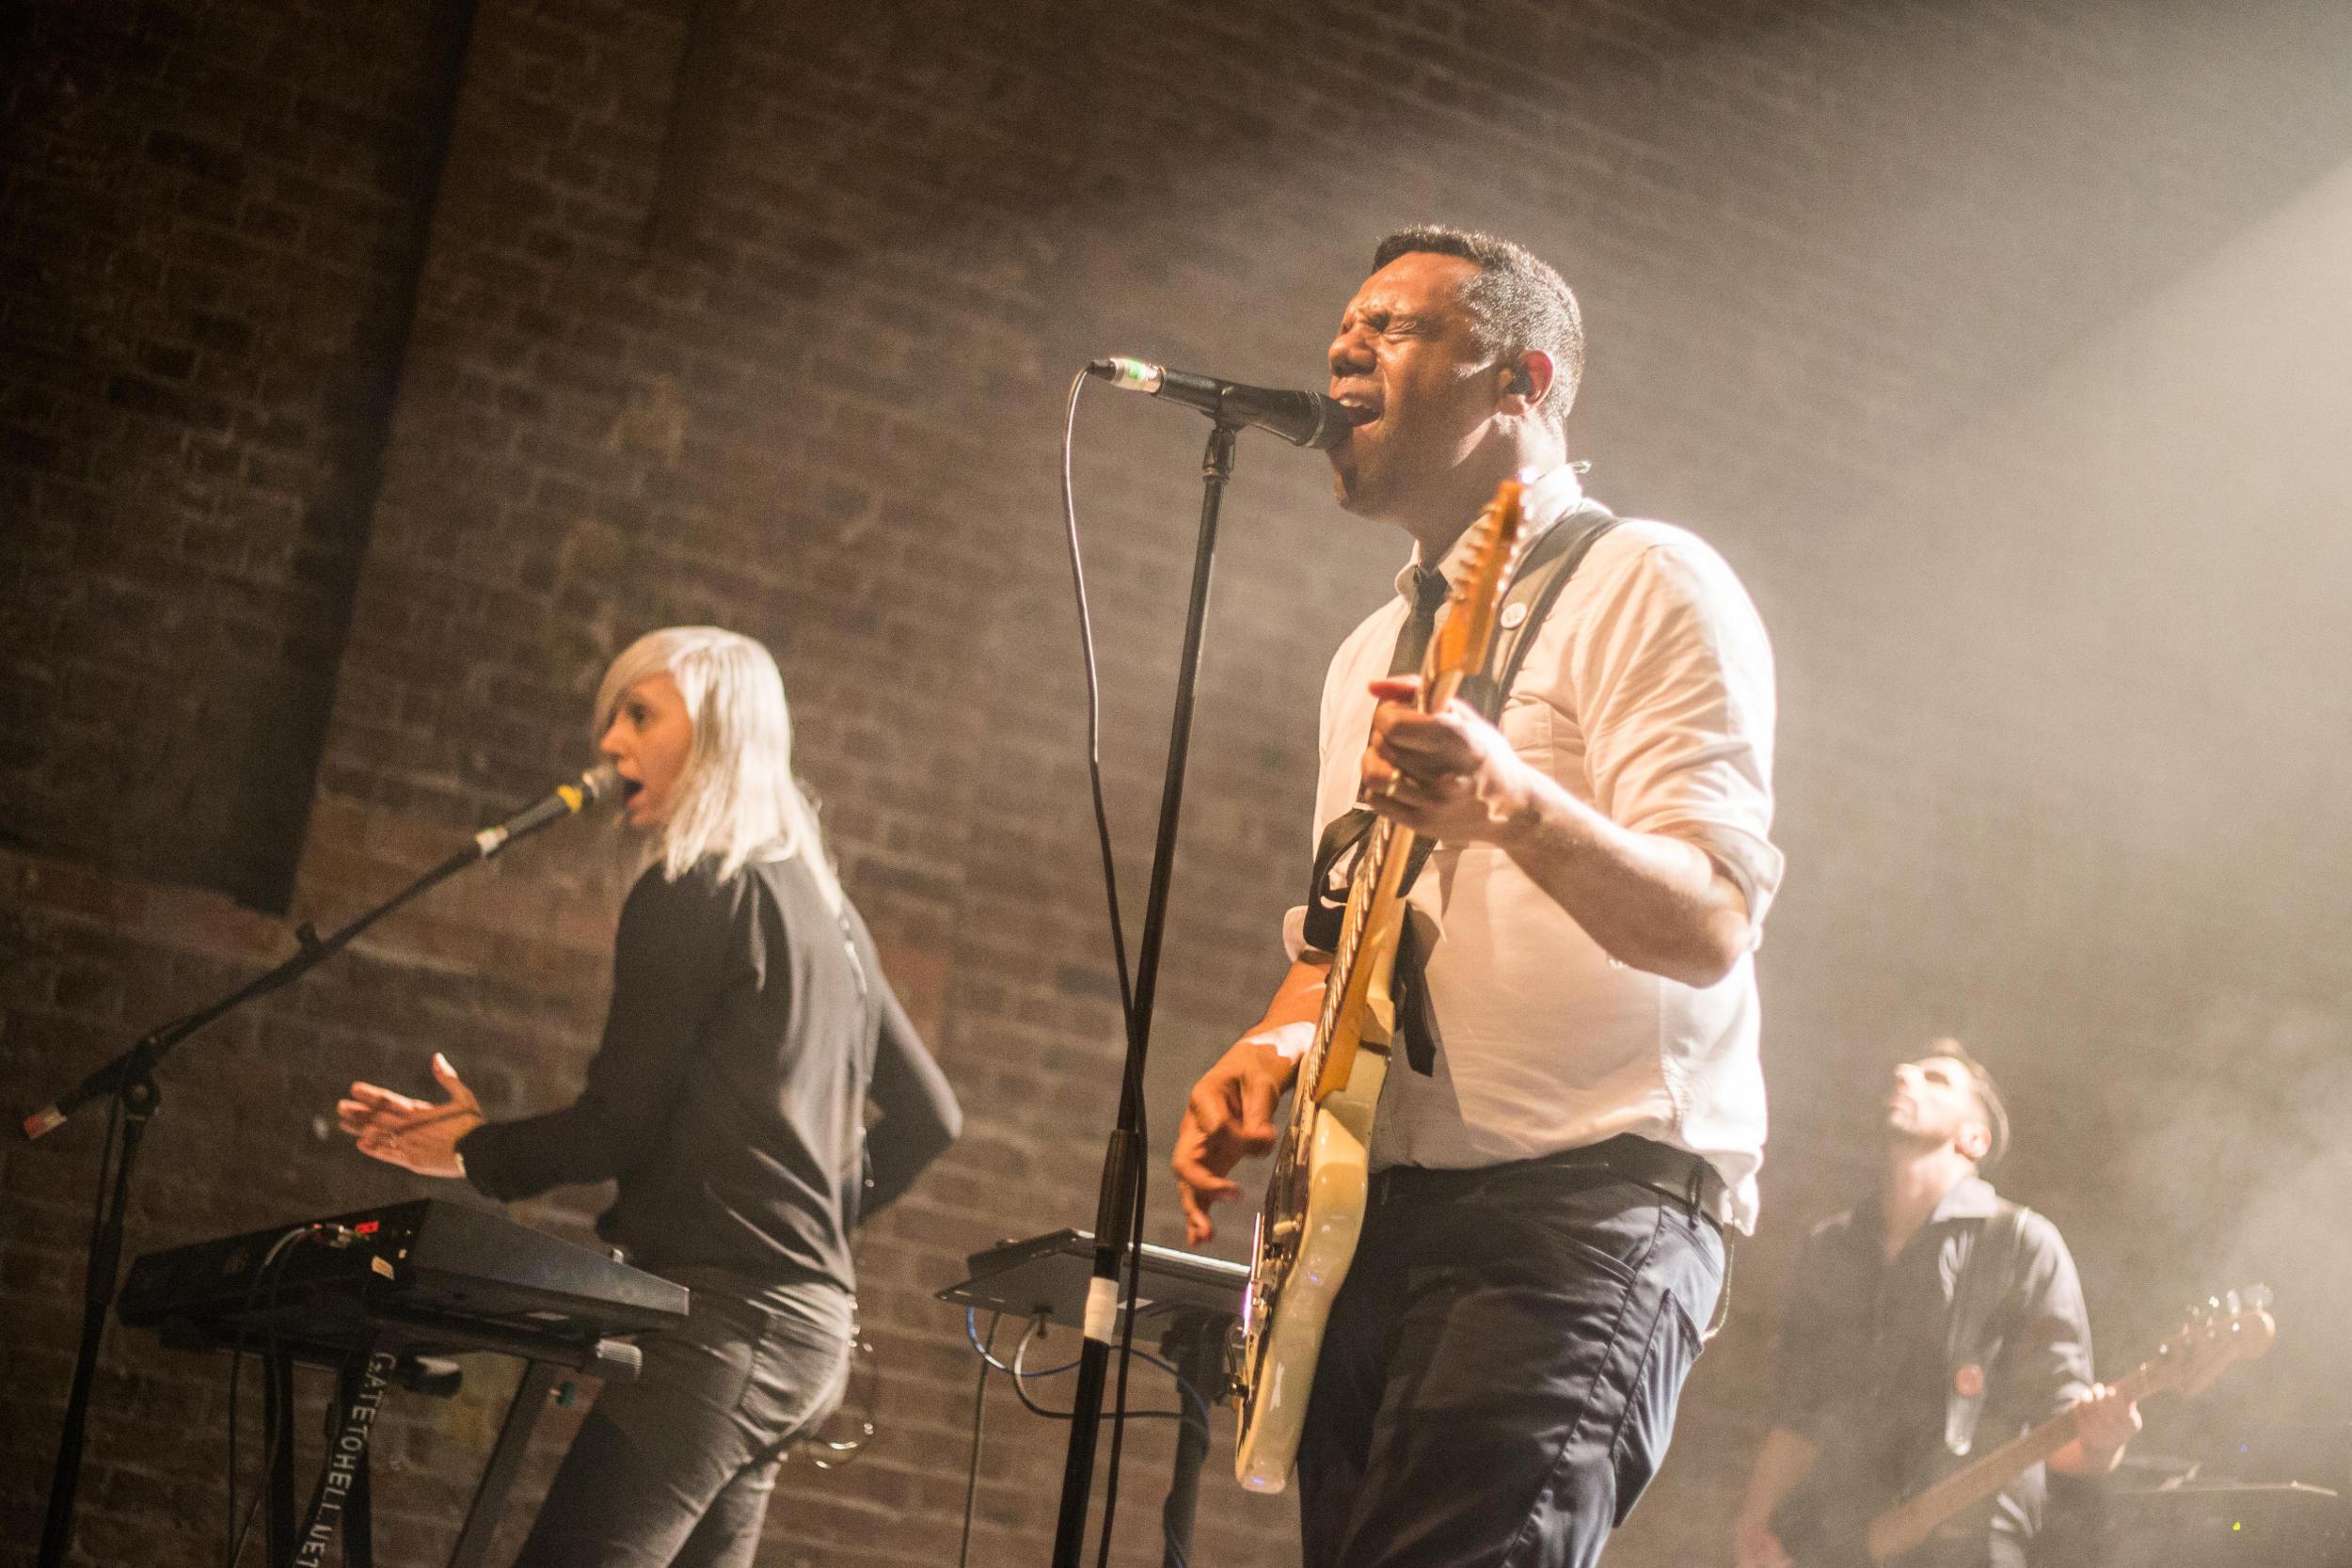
1193	1410
1135	1196
1094	705
271	1272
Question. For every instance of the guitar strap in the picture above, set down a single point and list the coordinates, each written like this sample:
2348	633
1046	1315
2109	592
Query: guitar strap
1542	573
1988	1281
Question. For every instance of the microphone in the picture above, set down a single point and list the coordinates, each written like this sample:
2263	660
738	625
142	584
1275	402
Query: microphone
570	799
1302	419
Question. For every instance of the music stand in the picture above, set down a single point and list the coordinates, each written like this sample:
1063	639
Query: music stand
2200	1524
1190	1298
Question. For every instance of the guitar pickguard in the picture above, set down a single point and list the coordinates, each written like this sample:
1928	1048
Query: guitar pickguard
1307	1237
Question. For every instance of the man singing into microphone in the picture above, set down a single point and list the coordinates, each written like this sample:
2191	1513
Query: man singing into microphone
1579	1109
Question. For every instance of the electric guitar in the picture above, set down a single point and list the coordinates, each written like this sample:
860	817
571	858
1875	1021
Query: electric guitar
1315	1198
2233	1329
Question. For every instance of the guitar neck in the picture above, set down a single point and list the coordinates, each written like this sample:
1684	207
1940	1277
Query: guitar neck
1374	910
1358	980
1913	1520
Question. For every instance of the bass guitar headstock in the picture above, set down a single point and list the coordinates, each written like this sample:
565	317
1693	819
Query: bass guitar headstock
2225	1330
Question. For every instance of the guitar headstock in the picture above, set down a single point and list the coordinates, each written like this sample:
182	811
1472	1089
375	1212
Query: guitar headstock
2225	1330
1460	645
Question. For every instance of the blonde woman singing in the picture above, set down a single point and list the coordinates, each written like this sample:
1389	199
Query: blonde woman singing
748	1024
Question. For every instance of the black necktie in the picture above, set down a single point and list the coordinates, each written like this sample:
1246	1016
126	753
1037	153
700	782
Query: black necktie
1427	589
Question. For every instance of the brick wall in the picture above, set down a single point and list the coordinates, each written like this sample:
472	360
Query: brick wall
215	230
764	316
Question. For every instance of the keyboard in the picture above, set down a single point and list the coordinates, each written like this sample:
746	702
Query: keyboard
444	1276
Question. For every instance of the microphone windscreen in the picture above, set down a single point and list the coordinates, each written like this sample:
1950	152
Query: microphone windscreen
599	781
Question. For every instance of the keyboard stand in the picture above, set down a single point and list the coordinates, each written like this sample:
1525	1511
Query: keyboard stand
506	1457
545	1362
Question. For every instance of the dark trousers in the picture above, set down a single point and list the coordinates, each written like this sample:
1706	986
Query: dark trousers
677	1468
1498	1380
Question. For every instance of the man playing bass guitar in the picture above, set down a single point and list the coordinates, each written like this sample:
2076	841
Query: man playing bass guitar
1581	1108
1931	1322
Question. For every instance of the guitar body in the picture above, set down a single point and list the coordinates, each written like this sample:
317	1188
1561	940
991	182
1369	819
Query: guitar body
1291	1286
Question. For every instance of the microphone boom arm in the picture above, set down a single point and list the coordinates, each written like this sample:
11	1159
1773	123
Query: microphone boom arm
129	1079
314	950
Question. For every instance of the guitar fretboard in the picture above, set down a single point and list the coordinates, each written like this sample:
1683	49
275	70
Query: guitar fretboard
1384	840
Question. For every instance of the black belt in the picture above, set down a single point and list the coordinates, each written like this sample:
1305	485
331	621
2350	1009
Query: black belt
1674	1172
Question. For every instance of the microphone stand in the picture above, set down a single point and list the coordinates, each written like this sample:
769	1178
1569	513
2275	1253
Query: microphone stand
129	1079
1118	1215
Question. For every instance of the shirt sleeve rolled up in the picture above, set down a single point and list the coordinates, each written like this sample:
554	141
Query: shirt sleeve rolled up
1671	674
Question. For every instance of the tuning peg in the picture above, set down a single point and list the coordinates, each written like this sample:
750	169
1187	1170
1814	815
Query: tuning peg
2231	1302
2258	1298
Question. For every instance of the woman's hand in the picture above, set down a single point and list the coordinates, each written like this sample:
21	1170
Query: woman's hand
414	1134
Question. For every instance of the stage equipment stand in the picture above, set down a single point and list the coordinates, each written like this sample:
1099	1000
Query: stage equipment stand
1190	1301
1196	1343
1114	1215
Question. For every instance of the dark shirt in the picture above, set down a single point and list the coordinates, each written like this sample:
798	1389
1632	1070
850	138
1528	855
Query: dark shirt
748	1025
1862	1370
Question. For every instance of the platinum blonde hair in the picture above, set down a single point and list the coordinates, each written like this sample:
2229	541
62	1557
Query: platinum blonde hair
737	800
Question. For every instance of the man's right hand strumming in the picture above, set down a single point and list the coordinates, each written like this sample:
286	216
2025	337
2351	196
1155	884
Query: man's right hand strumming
1230	1113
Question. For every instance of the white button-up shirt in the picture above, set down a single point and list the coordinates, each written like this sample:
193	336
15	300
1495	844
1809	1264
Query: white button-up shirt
1647	694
